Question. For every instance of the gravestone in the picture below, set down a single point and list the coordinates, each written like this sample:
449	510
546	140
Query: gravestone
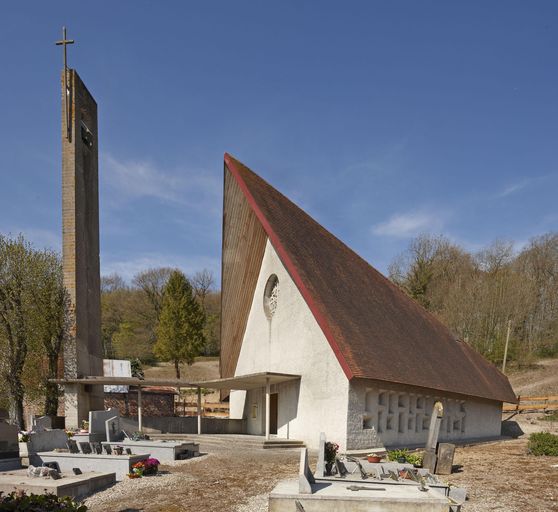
72	446
98	419
113	431
320	465
41	423
429	458
444	464
9	447
305	477
85	447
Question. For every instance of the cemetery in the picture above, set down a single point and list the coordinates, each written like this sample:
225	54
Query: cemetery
344	393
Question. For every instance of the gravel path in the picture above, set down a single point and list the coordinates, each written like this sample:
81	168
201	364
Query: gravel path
226	480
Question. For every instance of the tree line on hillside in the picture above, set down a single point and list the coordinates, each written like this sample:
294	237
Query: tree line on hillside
478	296
137	318
165	316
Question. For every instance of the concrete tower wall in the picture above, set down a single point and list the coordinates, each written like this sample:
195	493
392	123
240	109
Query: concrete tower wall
80	229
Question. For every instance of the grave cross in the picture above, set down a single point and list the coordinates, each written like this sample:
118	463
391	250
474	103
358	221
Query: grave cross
64	42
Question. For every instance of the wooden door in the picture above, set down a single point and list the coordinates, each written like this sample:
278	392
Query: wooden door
273	411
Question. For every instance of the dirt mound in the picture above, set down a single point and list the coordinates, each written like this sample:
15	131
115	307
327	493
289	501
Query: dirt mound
540	379
203	369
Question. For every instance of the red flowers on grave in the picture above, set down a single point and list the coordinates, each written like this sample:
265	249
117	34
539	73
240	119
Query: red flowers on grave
145	467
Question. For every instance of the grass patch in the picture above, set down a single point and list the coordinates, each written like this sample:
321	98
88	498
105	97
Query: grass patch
543	443
550	417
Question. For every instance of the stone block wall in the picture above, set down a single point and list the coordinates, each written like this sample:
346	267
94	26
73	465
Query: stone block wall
400	416
153	404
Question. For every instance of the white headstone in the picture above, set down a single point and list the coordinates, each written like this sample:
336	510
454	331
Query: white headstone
320	465
117	368
305	477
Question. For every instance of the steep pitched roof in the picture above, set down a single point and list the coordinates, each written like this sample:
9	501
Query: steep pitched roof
375	330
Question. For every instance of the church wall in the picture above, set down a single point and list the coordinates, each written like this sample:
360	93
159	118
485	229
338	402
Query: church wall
291	342
400	416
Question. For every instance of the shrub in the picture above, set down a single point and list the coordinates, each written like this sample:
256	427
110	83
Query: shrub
38	503
543	443
411	458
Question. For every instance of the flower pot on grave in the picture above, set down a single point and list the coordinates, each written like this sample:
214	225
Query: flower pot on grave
374	459
328	468
118	450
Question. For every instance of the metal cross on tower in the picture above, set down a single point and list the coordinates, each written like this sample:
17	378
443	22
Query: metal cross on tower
64	42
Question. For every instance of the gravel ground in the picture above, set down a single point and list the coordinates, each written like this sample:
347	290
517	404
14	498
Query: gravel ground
226	480
499	476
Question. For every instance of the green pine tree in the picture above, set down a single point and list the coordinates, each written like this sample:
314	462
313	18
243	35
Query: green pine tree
180	335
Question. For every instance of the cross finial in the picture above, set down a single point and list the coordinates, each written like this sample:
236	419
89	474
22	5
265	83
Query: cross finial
65	42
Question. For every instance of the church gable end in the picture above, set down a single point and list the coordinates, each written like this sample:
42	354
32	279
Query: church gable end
243	248
374	329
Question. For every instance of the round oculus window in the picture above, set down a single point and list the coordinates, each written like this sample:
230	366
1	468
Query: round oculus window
271	293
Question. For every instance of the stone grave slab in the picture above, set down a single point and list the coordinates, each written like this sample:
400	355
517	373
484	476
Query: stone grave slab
163	450
364	497
44	441
68	485
121	465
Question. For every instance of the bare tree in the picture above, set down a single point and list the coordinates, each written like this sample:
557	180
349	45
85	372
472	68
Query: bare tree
152	282
202	282
112	283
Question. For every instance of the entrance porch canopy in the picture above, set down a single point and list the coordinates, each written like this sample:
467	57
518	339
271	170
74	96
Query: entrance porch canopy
246	382
241	382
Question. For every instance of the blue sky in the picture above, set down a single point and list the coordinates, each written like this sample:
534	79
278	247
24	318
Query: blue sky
381	119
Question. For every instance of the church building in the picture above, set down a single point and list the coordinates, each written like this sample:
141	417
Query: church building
336	346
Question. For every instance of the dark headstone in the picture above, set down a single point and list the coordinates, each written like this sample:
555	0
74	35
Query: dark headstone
85	447
52	465
72	446
446	452
108	449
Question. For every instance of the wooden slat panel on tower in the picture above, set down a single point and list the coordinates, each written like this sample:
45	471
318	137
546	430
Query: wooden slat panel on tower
244	242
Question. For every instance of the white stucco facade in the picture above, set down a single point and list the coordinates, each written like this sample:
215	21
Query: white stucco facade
291	342
357	414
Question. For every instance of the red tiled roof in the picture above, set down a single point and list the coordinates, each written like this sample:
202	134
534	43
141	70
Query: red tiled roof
376	331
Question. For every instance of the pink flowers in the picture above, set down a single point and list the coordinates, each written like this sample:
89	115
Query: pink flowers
148	466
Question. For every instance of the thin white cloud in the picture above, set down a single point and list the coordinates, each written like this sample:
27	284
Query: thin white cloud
136	179
515	187
404	225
